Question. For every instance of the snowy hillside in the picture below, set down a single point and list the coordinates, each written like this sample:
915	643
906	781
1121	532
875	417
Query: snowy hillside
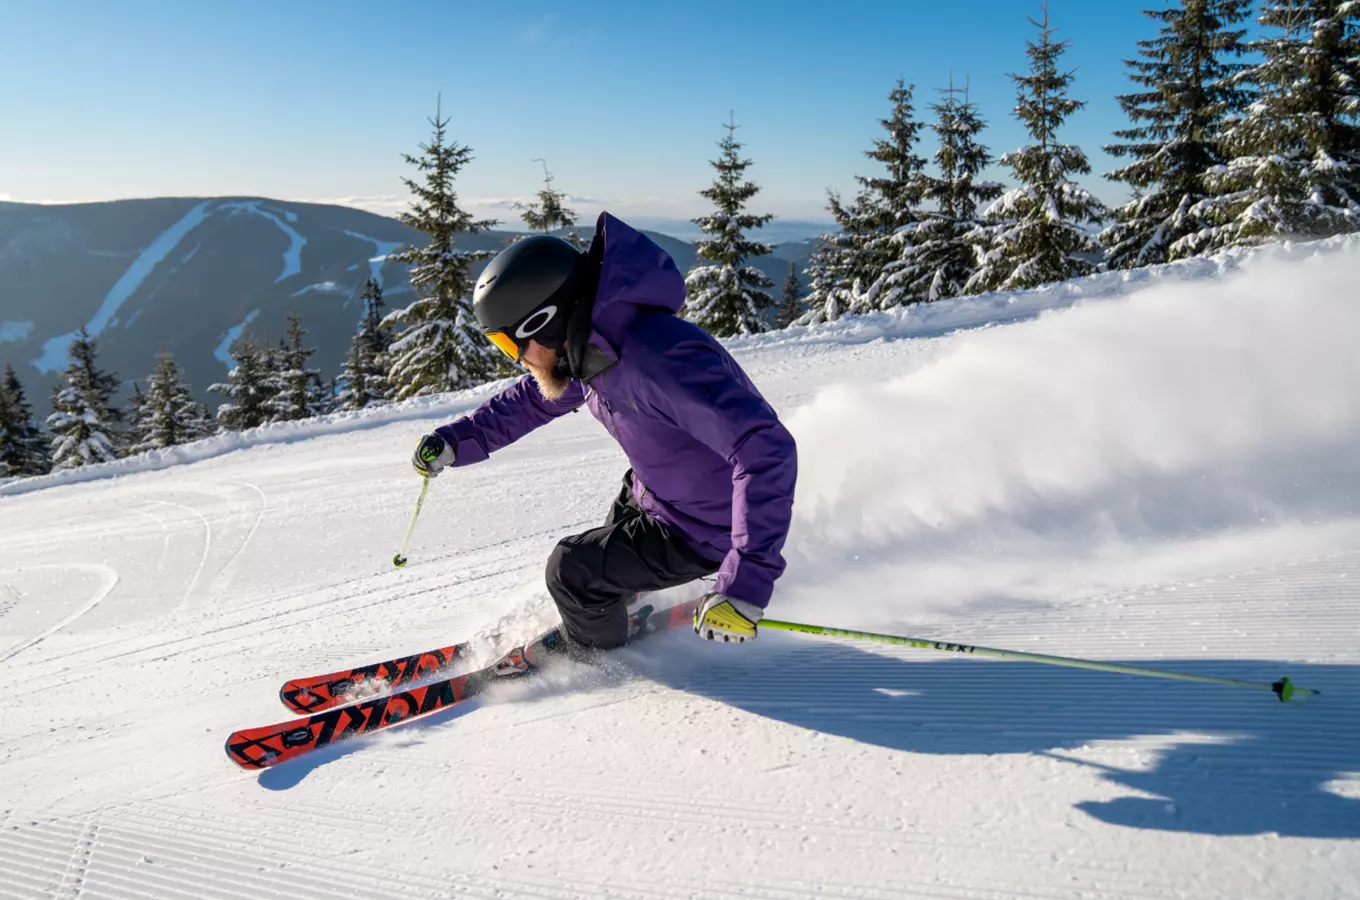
1161	468
190	275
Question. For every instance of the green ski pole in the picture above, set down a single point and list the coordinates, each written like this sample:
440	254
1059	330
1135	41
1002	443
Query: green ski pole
1284	688
400	559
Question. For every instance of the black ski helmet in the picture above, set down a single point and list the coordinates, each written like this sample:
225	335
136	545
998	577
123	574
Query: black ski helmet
528	291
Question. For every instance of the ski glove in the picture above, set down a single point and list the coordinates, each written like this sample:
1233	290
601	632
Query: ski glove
432	455
723	618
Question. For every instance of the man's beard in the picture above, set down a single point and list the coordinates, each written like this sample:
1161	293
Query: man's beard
551	385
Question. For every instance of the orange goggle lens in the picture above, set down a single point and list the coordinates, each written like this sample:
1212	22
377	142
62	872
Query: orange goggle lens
508	346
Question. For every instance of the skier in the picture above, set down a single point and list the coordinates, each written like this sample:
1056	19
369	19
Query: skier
710	488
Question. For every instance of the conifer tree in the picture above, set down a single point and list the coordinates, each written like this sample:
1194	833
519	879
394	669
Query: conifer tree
1295	156
1188	77
1033	233
23	451
168	415
330	396
791	307
83	423
549	212
300	393
136	408
726	296
830	276
934	258
440	348
885	206
364	381
247	388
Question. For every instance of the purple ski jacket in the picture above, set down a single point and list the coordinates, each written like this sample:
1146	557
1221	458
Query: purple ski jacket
710	458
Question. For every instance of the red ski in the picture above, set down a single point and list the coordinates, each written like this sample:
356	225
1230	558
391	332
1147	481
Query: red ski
320	692
259	748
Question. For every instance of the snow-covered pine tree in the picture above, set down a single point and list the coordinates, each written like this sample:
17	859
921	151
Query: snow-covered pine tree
1295	156
440	348
364	380
1033	234
1188	75
549	212
168	414
830	276
247	389
133	413
885	206
726	296
934	258
83	423
23	451
300	394
330	393
791	306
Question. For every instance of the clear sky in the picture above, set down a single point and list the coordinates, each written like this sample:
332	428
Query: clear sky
312	100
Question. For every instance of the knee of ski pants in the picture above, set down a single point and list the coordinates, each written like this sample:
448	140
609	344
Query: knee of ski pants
592	613
572	567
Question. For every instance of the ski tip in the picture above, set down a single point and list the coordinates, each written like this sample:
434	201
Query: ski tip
241	761
287	693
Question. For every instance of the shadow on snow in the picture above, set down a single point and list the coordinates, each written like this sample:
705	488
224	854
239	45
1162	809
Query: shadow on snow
1230	761
1226	761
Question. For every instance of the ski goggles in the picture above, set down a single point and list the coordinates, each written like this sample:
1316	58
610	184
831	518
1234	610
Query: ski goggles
514	341
506	344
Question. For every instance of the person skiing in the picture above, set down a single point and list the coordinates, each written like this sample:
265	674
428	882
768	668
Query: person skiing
710	488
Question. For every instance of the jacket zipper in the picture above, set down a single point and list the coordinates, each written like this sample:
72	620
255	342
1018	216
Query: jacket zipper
610	427
608	413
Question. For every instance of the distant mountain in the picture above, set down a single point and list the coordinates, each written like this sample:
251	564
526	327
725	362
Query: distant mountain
190	274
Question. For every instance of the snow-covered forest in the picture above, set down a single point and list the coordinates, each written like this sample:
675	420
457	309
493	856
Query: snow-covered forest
1230	142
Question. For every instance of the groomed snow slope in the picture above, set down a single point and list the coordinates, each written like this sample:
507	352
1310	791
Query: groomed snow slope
1162	470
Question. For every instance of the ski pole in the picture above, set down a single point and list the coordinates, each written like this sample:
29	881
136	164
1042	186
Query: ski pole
1284	688
400	559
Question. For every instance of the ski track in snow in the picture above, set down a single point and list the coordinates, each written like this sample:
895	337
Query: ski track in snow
110	580
1078	483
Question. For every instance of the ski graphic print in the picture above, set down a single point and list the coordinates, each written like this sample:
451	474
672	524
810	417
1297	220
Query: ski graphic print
321	692
315	693
269	745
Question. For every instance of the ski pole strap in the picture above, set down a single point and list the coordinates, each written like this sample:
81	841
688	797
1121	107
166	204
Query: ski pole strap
1284	688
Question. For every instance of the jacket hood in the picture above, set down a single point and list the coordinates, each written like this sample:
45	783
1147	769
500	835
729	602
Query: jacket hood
634	275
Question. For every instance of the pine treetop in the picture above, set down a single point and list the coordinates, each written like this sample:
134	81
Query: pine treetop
1033	233
168	414
248	388
1192	86
83	421
724	295
961	159
550	211
902	190
441	348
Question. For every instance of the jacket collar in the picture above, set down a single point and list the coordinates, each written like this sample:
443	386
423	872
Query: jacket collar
587	353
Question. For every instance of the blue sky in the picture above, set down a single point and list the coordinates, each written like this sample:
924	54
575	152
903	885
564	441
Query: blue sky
626	100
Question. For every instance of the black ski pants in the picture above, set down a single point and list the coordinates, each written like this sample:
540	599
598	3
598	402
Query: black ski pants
593	575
